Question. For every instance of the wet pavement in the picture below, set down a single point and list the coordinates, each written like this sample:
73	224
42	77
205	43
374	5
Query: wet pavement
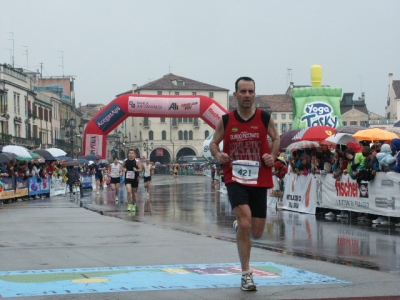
191	205
177	246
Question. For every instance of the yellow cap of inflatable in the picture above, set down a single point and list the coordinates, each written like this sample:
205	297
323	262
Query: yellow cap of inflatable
316	75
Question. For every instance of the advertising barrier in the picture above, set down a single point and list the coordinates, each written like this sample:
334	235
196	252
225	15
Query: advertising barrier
21	188
38	188
7	188
57	186
87	181
304	193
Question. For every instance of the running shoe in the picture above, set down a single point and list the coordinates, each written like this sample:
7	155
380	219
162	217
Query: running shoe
116	198
235	225
133	207
248	283
97	192
129	208
148	195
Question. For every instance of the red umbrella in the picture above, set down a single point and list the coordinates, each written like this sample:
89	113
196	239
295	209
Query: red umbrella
318	133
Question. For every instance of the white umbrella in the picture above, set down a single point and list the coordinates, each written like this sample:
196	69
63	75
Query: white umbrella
339	138
206	147
17	150
302	145
56	152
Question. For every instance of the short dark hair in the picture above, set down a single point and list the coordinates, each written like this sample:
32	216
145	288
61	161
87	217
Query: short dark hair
115	157
245	78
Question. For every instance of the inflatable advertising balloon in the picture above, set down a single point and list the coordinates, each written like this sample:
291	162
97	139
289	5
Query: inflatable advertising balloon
206	148
131	105
317	105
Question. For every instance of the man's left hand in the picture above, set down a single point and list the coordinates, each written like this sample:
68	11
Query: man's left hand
268	160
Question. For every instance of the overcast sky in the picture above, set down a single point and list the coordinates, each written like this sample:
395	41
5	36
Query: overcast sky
110	45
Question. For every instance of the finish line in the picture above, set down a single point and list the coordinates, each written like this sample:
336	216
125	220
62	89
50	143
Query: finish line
150	278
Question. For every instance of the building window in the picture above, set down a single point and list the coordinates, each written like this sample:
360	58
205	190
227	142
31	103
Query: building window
283	127
185	120
206	134
274	116
162	120
194	93
159	92
180	135
190	135
283	116
290	116
146	121
151	135
196	122
26	106
40	113
276	126
353	123
45	115
185	135
180	83
176	93
211	94
290	126
163	135
364	124
344	123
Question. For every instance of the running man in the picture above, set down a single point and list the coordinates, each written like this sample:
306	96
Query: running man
132	167
176	171
148	171
248	162
98	175
115	171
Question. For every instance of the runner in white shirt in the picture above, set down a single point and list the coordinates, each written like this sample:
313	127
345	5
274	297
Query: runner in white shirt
115	171
148	171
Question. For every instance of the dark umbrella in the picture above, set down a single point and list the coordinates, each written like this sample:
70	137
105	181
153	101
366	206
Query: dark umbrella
61	158
72	163
45	154
6	157
83	160
91	157
352	129
286	138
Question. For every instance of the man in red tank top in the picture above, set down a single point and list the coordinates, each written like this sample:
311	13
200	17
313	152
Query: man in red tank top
248	162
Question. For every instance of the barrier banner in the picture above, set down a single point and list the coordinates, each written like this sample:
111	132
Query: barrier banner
87	181
38	188
57	186
300	193
21	188
274	194
7	188
379	196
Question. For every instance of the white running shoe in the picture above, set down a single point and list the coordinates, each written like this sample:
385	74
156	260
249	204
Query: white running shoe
97	192
148	195
116	198
248	283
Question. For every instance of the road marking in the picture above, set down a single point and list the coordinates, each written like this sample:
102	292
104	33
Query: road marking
150	278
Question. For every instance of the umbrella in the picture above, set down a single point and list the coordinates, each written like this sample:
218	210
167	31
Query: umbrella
352	129
72	163
287	138
298	135
45	154
34	155
104	161
317	133
17	150
6	157
375	134
83	160
56	152
339	138
393	129
302	145
67	158
91	157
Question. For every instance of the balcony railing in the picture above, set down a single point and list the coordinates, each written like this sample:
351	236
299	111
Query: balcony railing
28	143
383	122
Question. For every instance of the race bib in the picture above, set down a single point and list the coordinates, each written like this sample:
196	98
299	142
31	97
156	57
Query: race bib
245	171
114	174
130	175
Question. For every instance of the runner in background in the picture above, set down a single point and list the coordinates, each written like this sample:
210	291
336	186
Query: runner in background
115	171
132	167
148	171
176	171
98	175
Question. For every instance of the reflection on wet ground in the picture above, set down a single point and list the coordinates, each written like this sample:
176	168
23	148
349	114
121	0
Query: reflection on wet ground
191	205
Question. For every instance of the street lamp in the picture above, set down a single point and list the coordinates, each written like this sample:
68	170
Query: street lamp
70	133
148	147
120	142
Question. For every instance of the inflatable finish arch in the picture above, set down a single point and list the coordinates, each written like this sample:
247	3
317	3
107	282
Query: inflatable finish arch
131	105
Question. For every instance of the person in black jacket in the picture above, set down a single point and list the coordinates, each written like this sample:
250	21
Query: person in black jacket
73	178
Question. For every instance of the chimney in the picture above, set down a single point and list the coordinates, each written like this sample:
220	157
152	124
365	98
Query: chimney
134	87
390	80
80	104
